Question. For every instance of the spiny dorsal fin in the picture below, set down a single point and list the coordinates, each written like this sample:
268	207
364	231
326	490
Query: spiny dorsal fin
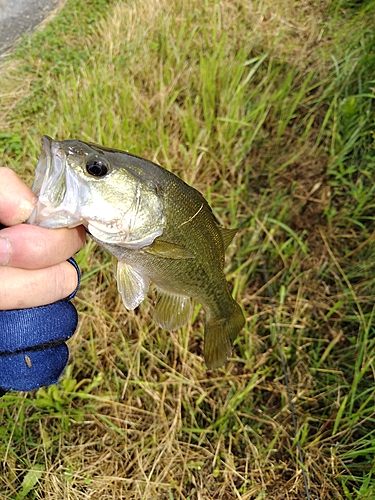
227	235
168	250
171	311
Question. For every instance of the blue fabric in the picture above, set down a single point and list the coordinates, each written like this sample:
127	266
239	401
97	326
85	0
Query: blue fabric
33	352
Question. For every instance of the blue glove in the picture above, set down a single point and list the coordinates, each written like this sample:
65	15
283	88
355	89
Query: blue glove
33	352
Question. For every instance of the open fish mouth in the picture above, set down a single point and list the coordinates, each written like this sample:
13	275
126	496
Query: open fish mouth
77	184
56	203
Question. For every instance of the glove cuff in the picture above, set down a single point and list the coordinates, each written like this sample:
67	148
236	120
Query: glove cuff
33	352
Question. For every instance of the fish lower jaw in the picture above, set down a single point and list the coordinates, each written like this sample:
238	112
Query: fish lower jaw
109	227
106	233
48	216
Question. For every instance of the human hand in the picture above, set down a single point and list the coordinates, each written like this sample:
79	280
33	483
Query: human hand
33	267
36	315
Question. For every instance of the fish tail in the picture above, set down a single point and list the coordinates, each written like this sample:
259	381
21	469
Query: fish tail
219	336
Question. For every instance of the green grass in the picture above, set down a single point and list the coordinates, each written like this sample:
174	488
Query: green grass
268	109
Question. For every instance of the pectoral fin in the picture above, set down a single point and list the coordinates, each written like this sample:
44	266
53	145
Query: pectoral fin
171	311
132	285
168	250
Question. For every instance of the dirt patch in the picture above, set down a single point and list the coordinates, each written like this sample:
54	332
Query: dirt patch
310	190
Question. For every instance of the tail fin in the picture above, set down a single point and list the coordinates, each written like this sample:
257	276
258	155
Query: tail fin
219	336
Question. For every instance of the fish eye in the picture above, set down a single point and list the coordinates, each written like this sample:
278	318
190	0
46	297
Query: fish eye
96	167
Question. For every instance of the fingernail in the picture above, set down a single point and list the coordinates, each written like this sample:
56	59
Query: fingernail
26	207
5	250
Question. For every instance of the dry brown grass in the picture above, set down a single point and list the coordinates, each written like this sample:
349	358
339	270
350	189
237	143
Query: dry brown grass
143	418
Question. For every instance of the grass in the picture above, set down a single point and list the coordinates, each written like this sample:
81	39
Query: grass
268	109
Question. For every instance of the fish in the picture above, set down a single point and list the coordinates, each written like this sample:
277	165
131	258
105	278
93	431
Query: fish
160	231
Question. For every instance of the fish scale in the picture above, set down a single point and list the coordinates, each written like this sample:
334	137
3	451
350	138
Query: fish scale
161	231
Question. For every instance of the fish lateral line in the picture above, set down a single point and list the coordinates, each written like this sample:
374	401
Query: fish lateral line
192	217
137	210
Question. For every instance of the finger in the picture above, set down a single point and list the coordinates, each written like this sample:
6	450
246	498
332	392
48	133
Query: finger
17	201
33	247
22	289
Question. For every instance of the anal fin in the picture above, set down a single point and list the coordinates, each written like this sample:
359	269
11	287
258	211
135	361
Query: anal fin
131	284
171	311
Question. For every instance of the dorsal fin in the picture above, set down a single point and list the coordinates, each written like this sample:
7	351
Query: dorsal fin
227	235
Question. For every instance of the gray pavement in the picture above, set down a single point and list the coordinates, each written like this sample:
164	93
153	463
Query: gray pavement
22	16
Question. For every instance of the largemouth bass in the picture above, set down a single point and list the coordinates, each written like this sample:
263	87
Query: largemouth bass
159	229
